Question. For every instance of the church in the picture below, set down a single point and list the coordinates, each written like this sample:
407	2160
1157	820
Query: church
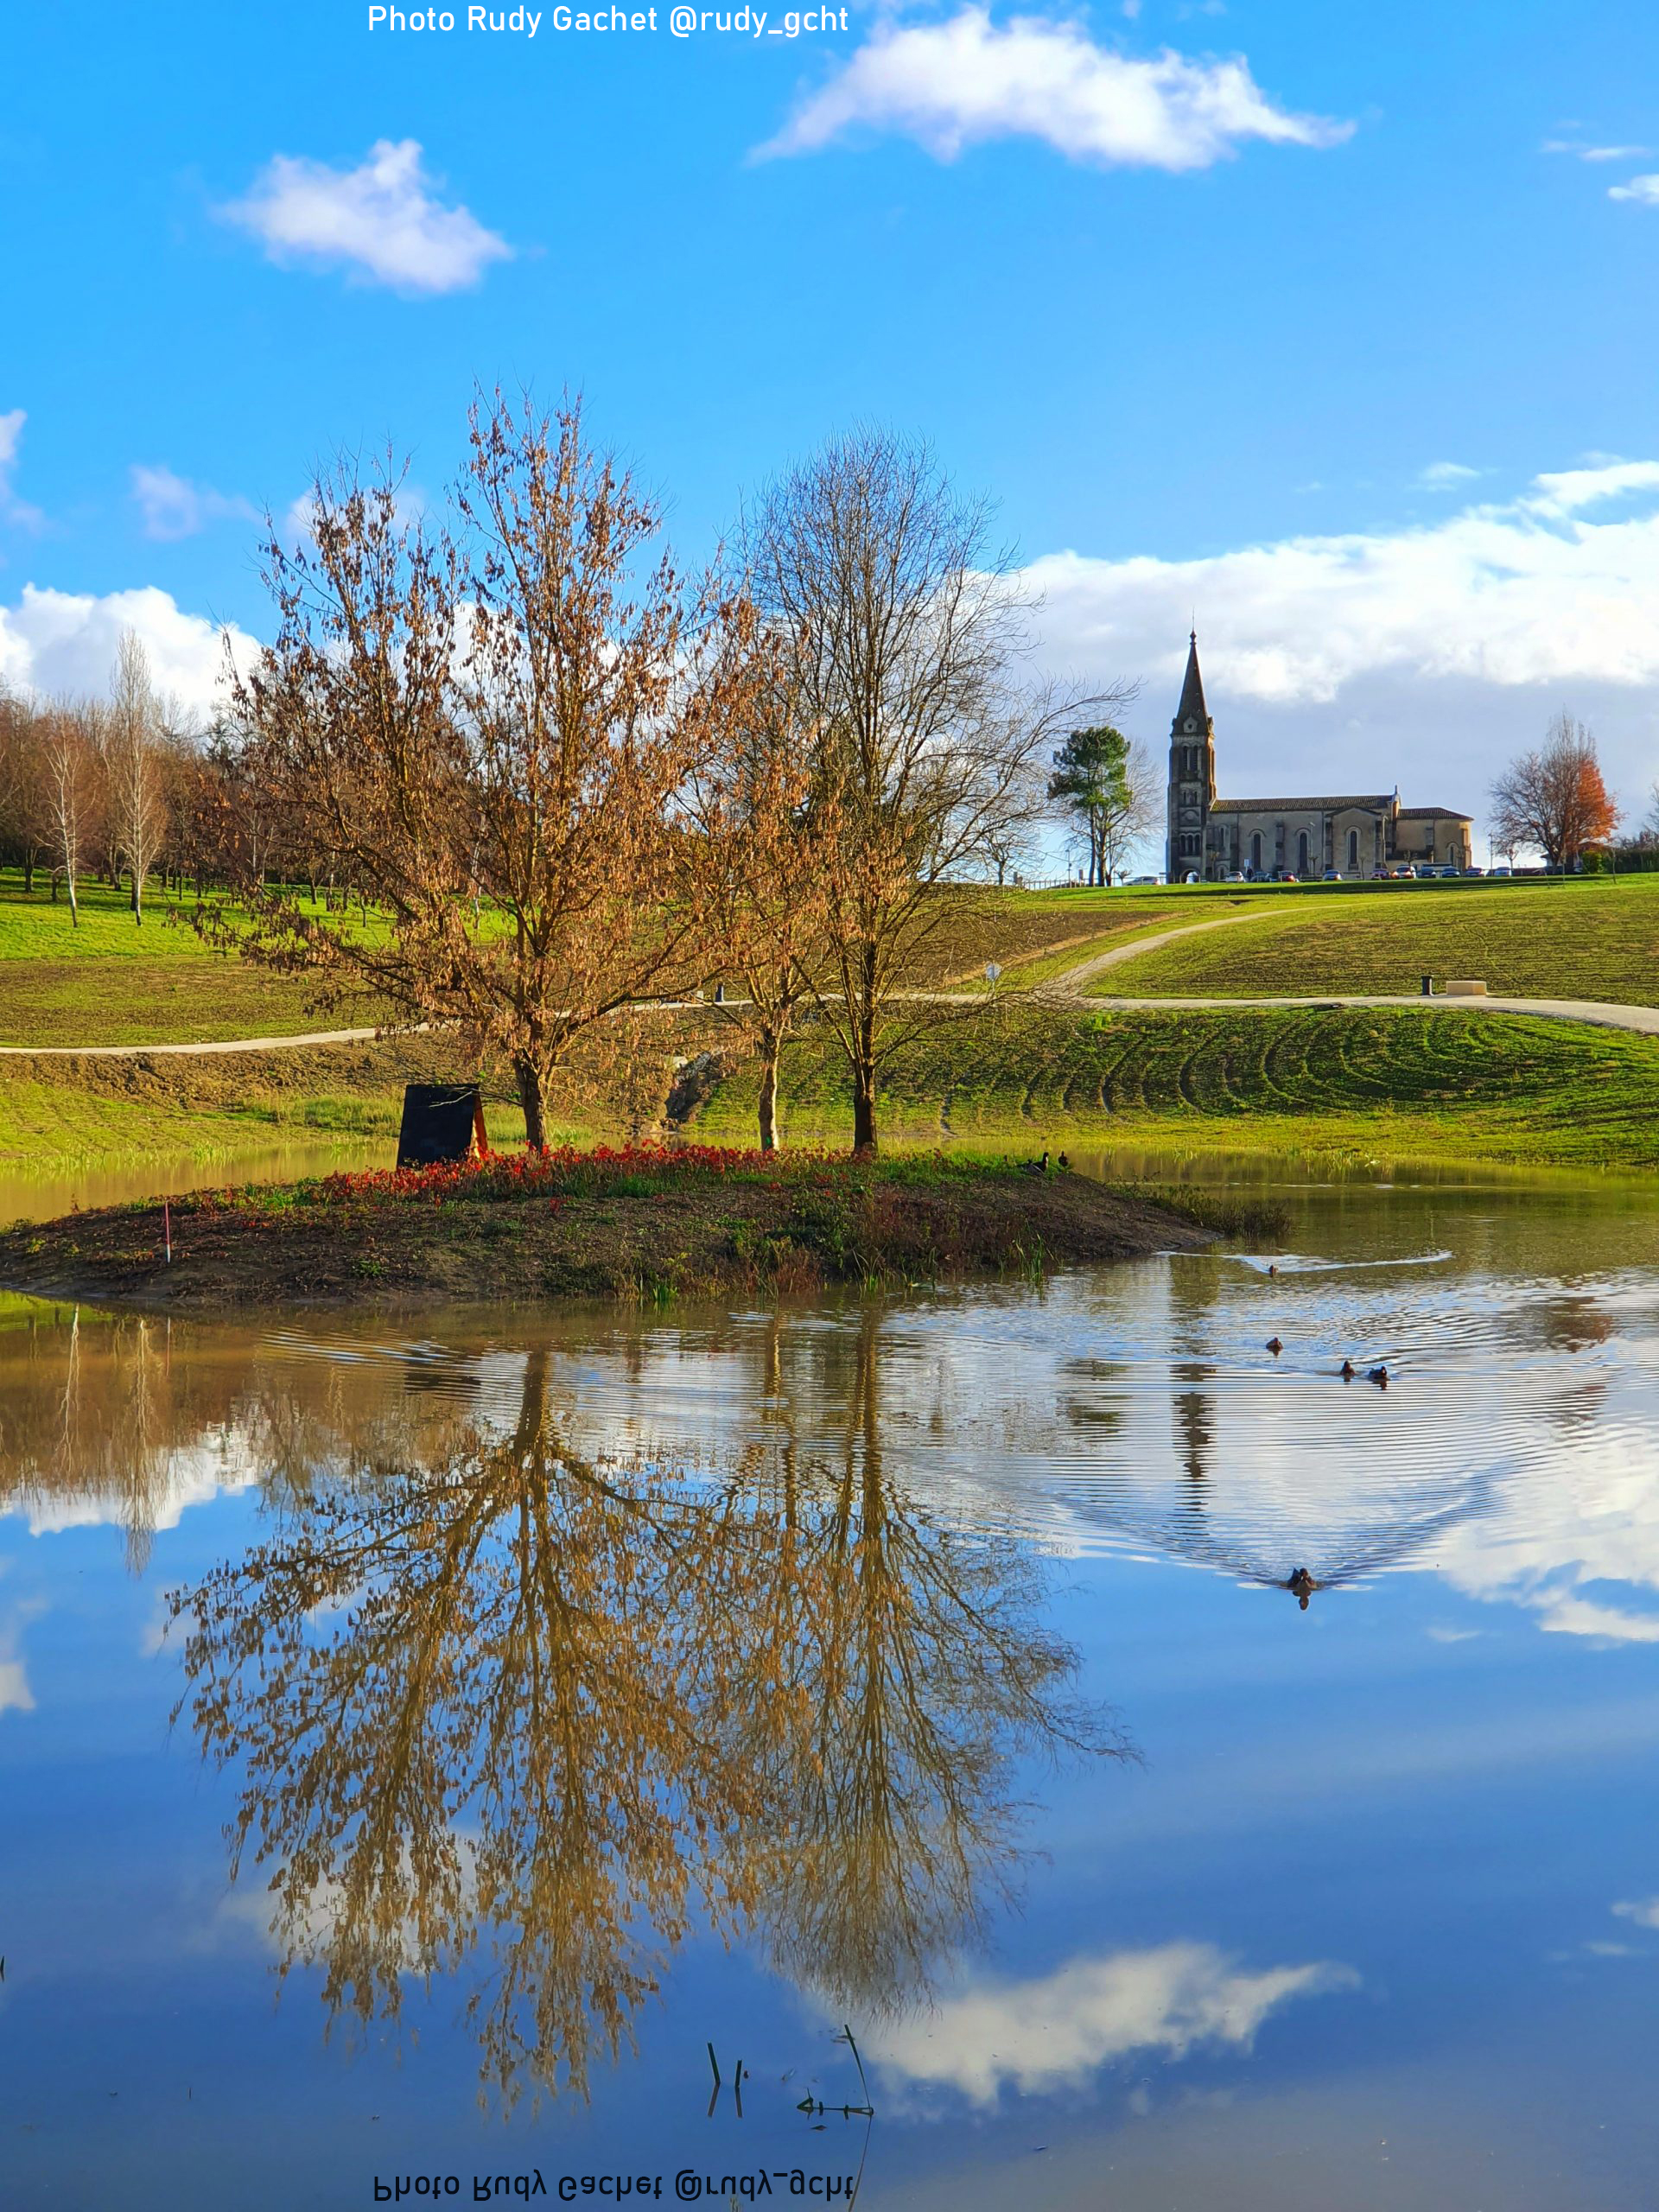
1348	836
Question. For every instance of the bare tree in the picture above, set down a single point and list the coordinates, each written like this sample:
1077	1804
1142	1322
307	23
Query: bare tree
769	840
68	754
136	795
24	826
1554	800
901	636
485	727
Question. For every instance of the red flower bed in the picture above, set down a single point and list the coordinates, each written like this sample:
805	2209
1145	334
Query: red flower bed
535	1174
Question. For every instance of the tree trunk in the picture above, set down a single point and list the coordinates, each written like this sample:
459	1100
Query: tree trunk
137	899
770	1044
864	1110
528	1077
28	874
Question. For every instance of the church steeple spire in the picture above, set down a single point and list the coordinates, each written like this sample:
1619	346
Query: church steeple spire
1191	708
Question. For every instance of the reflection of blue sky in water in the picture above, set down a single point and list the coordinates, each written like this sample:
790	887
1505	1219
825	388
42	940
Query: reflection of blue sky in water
1374	1924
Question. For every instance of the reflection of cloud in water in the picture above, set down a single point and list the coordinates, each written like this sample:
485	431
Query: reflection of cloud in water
195	1475
1573	1532
16	1696
1052	2033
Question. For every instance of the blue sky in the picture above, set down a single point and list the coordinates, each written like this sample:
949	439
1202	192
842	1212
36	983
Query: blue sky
1270	314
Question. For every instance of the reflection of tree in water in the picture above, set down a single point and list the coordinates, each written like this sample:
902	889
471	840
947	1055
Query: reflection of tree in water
538	1716
93	1414
913	1668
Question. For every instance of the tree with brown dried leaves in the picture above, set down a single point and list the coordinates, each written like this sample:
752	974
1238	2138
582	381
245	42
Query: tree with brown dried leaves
485	726
1555	800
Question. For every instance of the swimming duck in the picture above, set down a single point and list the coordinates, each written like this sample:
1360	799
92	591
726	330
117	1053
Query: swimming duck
1346	1371
1274	1346
1301	1584
1379	1375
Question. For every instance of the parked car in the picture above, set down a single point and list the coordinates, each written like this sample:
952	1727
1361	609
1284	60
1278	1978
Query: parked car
1501	871
1145	879
1236	876
1475	871
1332	876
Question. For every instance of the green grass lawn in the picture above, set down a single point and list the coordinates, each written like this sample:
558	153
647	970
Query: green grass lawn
59	1114
1587	938
111	982
1361	1081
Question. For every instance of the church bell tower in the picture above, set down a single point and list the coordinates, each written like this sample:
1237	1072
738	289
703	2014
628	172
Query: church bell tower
1191	777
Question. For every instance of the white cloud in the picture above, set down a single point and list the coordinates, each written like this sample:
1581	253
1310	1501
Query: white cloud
1595	153
1645	1911
1446	475
59	641
1429	652
1052	2033
174	507
12	509
380	221
1569	491
959	83
1489	594
1644	190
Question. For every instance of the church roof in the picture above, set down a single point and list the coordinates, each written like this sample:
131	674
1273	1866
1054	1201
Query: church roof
1435	813
1193	707
1376	802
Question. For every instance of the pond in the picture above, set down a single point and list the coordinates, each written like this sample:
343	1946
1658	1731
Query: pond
1005	1747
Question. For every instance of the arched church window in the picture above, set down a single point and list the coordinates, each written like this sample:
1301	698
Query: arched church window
1301	854
1353	849
1255	853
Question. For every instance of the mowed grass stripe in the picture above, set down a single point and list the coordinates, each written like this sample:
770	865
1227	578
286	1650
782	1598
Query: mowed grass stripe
1500	1087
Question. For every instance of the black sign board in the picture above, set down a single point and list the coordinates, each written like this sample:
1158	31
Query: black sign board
440	1122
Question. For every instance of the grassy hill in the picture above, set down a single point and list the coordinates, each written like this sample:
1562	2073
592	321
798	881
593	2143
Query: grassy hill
1396	1083
1367	1081
1586	938
109	983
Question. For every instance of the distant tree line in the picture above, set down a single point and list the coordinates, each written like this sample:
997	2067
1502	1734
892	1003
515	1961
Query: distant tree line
130	789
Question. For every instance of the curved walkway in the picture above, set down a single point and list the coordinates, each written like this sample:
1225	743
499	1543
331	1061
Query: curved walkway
1070	982
1066	988
1601	1013
218	1045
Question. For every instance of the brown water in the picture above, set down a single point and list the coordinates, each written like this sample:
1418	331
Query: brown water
420	1746
43	1197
